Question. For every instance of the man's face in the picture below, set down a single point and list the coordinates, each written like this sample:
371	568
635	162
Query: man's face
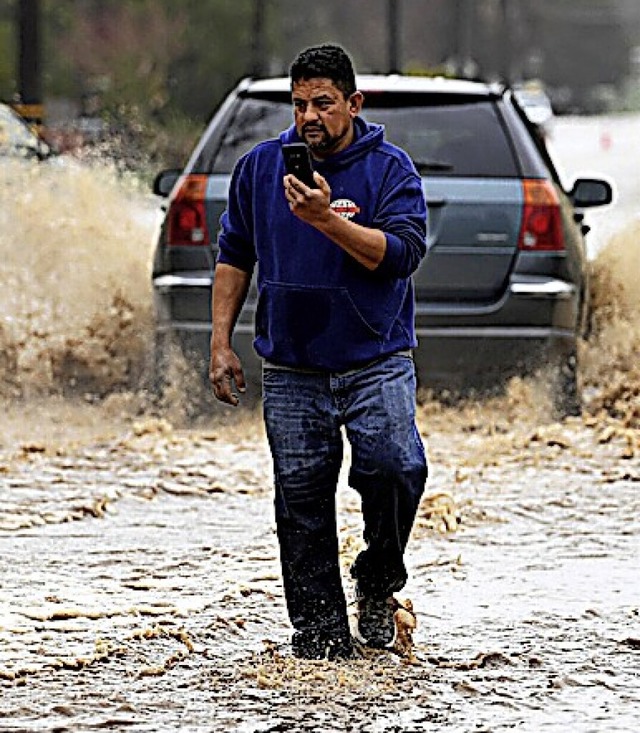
323	117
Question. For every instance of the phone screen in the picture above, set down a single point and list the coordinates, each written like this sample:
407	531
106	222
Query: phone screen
297	162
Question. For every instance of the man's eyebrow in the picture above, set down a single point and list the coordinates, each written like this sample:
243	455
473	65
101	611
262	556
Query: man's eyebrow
319	98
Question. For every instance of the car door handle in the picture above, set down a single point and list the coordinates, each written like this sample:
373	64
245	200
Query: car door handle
436	202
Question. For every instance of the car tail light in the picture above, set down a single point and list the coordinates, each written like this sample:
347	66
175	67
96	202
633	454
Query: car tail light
541	228
187	222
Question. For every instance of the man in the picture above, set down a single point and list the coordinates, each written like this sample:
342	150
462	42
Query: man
334	325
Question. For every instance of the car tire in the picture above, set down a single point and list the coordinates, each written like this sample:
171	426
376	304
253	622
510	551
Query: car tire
160	365
180	383
565	387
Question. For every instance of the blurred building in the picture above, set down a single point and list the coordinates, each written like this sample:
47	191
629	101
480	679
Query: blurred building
584	50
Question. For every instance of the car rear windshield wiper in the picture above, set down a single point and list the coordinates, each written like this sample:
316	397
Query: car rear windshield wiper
432	166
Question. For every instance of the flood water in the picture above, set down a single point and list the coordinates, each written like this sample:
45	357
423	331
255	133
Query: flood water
139	580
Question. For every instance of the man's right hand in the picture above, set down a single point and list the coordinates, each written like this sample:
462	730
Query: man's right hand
225	369
230	288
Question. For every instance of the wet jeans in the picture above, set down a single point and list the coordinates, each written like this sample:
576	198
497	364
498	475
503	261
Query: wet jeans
304	413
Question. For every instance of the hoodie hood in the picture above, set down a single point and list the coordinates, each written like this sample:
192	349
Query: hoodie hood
367	136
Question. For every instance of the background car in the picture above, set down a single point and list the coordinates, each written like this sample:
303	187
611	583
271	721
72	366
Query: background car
535	103
503	289
17	139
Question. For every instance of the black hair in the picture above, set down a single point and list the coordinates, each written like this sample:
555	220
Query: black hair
327	61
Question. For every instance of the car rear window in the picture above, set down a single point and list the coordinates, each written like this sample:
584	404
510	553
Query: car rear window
464	139
443	134
254	120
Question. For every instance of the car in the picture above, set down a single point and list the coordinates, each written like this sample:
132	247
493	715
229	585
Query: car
536	104
503	289
17	139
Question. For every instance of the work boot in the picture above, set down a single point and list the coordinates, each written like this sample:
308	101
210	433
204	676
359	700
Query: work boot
321	645
375	620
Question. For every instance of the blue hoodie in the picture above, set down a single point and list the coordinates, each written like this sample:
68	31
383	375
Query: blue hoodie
318	308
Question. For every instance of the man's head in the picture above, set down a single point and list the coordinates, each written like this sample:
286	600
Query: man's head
325	99
325	62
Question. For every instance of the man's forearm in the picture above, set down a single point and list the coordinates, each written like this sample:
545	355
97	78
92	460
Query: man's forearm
230	287
366	245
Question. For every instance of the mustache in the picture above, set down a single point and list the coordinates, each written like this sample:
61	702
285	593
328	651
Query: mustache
314	127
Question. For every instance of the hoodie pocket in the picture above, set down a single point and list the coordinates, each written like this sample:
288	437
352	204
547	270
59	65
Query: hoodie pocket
315	327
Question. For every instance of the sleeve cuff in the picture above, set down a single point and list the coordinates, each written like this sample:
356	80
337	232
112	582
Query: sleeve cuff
246	265
393	256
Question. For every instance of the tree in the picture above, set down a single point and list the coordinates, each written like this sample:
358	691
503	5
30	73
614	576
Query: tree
123	51
8	54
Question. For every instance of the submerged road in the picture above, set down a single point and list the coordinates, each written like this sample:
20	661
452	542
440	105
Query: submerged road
139	580
140	588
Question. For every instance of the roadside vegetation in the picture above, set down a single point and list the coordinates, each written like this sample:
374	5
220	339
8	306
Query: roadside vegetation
138	79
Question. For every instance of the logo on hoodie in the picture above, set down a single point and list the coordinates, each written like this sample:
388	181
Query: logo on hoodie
346	208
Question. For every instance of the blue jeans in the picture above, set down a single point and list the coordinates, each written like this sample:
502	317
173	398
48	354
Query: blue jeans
304	412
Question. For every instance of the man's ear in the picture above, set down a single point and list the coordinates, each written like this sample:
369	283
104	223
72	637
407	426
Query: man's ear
355	103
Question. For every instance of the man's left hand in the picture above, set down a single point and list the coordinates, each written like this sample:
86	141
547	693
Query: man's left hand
309	204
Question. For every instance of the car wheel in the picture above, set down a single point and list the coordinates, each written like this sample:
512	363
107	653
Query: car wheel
161	365
179	380
565	388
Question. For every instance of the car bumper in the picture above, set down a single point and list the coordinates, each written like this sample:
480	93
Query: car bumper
468	345
458	347
459	358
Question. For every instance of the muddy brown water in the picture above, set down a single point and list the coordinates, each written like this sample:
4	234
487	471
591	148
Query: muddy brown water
139	580
140	588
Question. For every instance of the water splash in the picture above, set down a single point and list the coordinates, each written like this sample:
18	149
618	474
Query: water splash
610	364
75	255
76	311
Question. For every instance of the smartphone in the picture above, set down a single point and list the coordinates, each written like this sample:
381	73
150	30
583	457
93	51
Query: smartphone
297	162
